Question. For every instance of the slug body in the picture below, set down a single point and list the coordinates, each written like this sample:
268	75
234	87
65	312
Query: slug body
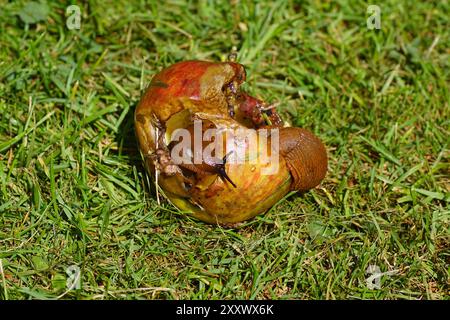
217	188
305	156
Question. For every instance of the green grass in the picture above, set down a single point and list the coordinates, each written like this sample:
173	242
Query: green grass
73	189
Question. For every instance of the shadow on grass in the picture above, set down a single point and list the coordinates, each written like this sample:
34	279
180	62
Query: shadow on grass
127	142
128	147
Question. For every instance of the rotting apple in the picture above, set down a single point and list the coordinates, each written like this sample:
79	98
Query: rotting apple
221	192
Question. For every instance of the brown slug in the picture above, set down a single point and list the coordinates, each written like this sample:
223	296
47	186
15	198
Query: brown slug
305	156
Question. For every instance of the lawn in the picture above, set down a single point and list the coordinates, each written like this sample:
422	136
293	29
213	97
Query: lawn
74	194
